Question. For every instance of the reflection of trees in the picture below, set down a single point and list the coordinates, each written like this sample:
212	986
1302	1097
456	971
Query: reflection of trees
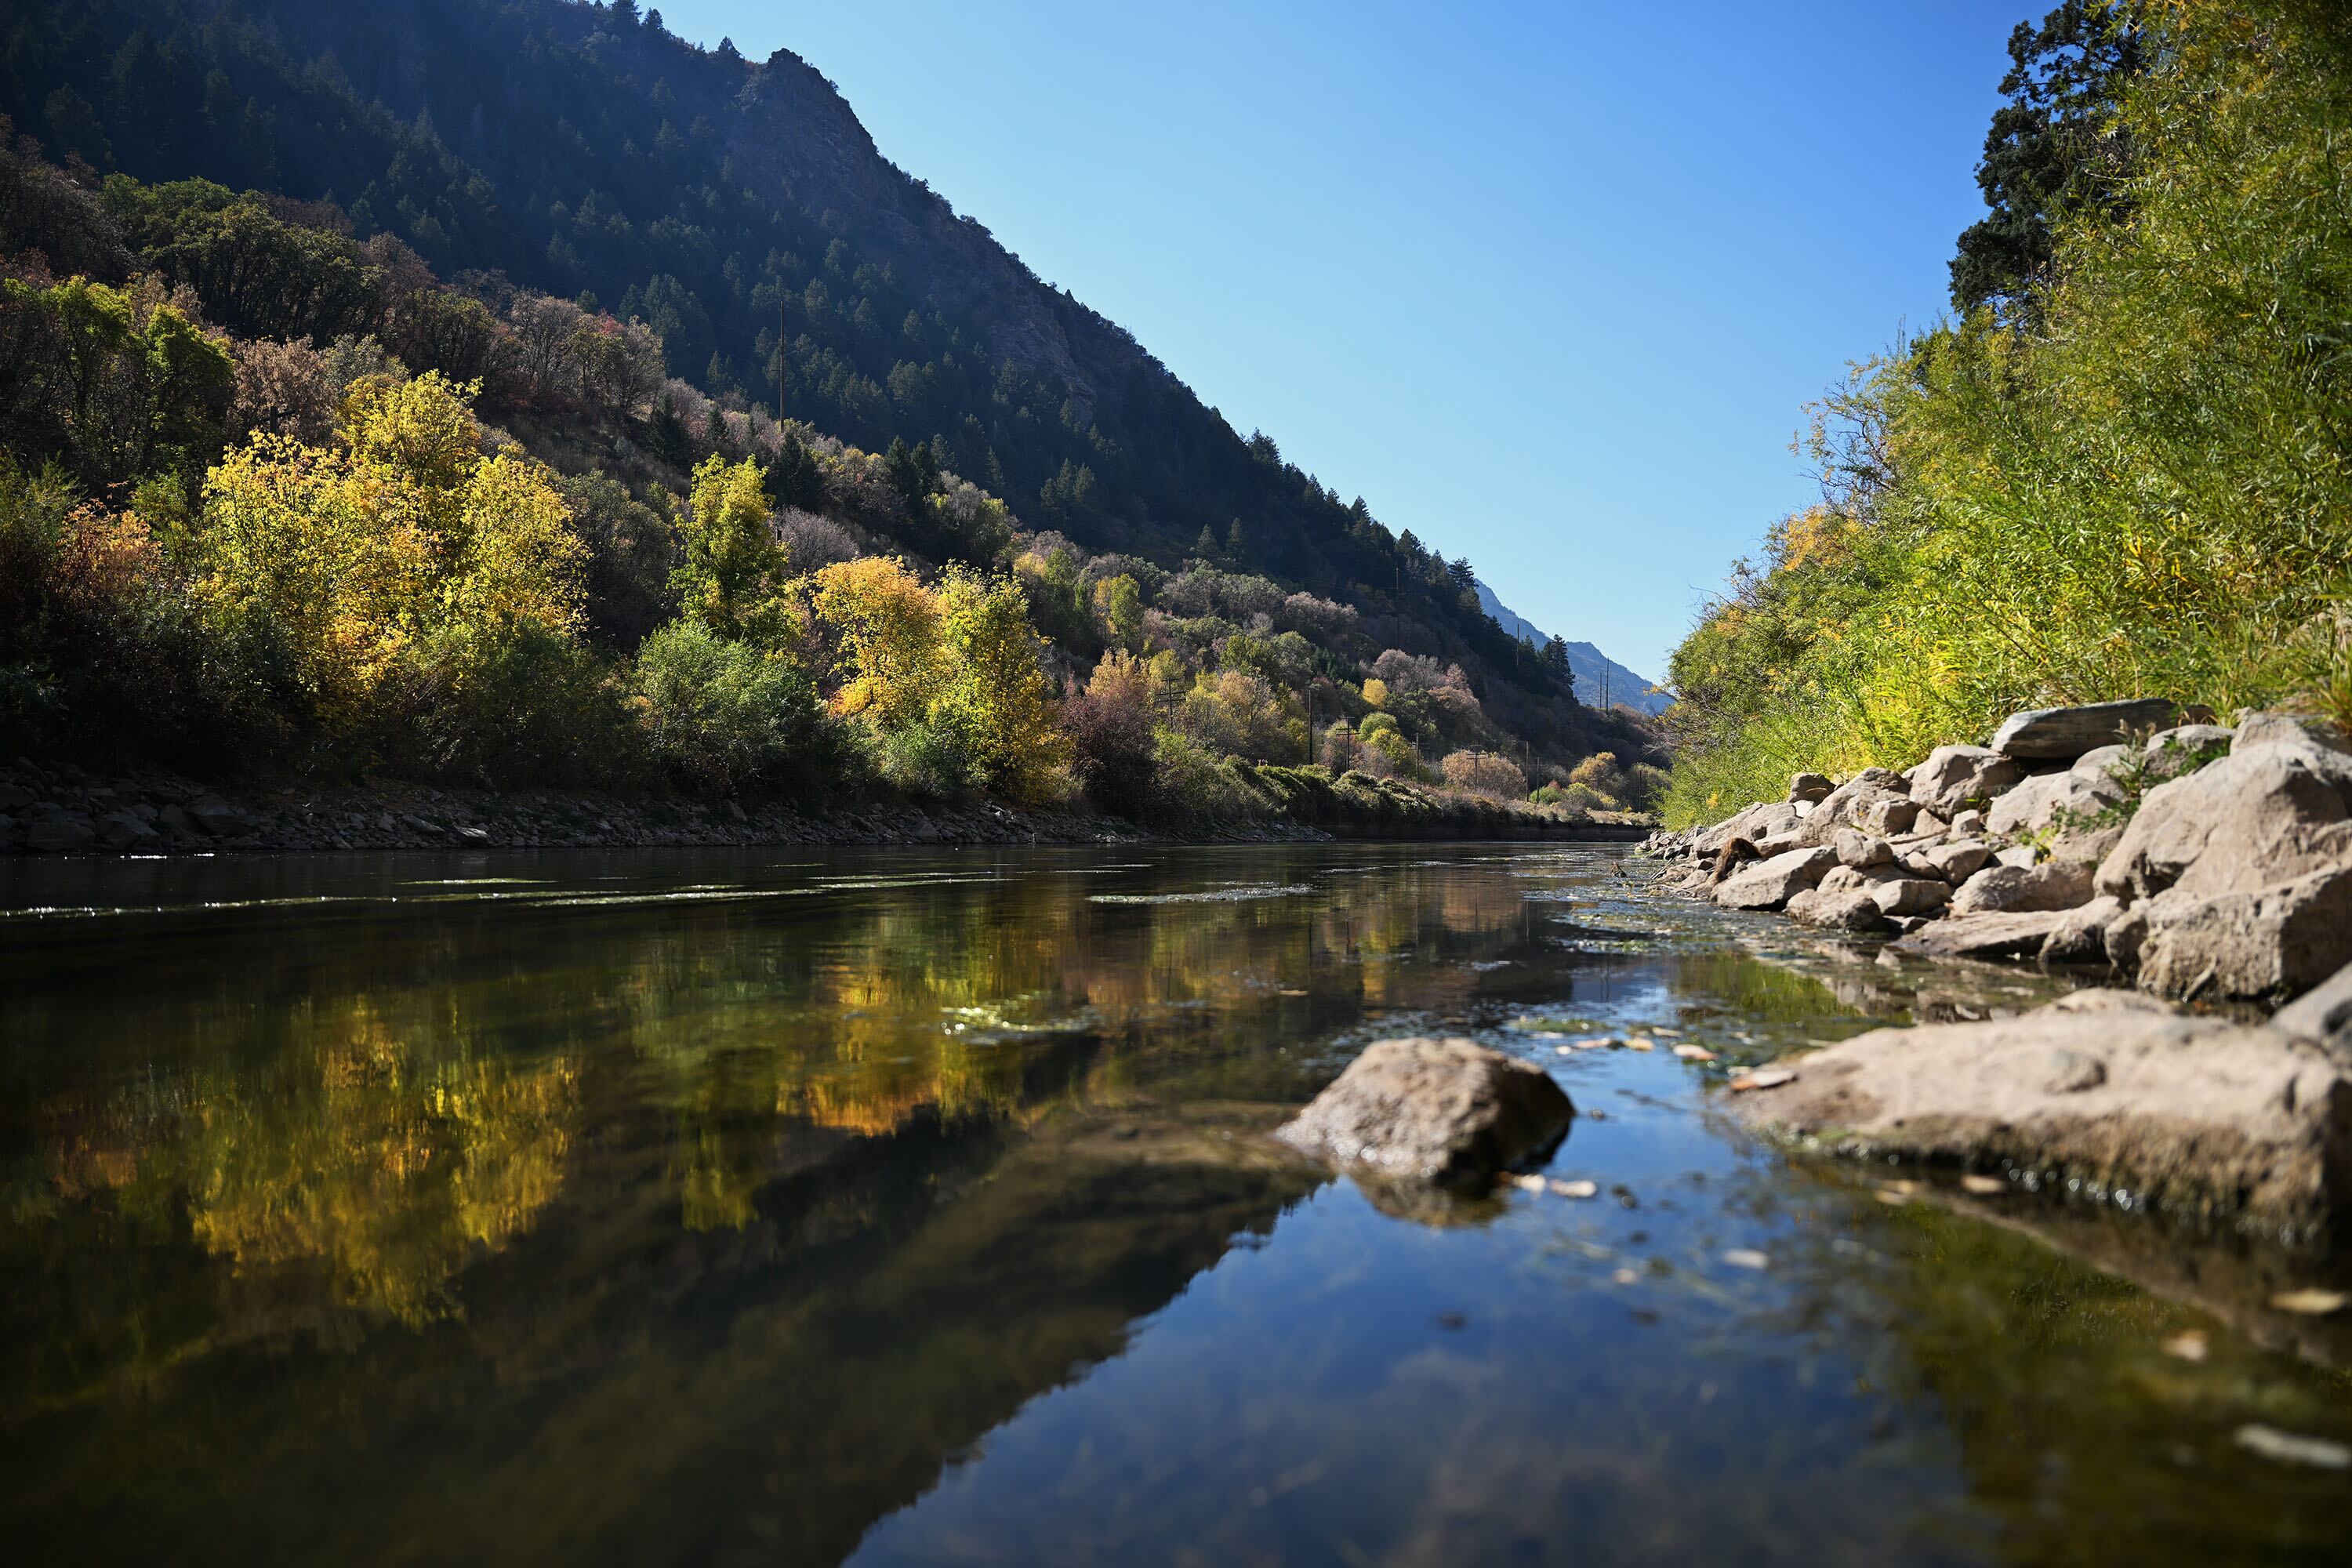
535	1135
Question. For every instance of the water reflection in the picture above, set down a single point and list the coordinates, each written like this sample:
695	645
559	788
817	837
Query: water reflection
681	1208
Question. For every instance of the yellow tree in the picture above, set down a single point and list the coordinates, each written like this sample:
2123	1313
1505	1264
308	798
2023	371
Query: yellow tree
998	696
352	556
735	564
890	639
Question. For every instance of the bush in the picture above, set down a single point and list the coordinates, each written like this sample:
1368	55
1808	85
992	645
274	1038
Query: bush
1485	772
717	714
926	759
1110	725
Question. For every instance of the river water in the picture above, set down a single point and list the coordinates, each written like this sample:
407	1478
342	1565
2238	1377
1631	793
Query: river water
915	1207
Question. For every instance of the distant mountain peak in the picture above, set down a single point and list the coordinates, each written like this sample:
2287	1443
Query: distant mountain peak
1600	679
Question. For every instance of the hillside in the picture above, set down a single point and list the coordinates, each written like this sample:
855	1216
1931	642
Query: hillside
557	236
572	148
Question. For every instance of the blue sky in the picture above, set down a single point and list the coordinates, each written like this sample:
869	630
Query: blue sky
1548	284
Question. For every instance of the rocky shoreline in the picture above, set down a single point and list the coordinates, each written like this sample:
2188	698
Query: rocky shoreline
61	809
2129	845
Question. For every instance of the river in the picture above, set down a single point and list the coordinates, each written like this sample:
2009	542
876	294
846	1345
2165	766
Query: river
916	1207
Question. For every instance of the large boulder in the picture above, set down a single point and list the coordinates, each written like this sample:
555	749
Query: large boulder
2199	1116
2016	889
2061	734
1768	884
2268	813
1954	778
1445	1111
2275	942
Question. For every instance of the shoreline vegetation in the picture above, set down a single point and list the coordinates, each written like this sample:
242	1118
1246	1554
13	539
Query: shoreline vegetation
2124	466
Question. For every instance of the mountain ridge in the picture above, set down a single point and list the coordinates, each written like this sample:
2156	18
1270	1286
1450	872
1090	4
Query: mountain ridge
1598	677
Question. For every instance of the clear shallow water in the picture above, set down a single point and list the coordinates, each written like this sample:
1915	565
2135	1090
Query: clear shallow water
914	1207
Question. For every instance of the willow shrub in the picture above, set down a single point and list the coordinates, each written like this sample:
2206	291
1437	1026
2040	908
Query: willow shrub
2149	496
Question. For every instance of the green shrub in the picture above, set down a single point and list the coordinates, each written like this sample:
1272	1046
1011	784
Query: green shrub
718	715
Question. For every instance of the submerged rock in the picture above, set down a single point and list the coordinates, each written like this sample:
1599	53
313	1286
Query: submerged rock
2228	1122
1447	1112
2063	734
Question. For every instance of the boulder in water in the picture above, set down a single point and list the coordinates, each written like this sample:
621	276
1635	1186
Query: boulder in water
1445	1111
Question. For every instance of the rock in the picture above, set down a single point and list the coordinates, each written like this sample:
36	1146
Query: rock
60	833
1810	789
1926	827
2104	999
1968	824
1860	850
2063	734
1887	814
2268	813
2024	857
2322	1013
176	820
2082	936
1845	806
216	816
1768	884
2184	748
2062	800
1757	821
1957	860
1954	778
124	830
1911	894
2276	941
2104	761
1449	1111
13	796
1841	909
1982	936
1852	880
2199	1116
2006	890
2124	937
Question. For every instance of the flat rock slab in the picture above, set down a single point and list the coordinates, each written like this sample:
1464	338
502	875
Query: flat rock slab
2230	1122
1982	936
2061	734
1441	1112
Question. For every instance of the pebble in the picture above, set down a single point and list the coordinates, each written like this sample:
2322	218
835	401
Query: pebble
2189	1345
1747	1258
1983	1186
2310	1303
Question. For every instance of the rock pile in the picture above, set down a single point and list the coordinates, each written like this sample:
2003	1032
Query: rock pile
2203	861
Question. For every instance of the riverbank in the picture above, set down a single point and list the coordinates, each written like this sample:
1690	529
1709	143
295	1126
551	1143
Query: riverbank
2132	845
61	808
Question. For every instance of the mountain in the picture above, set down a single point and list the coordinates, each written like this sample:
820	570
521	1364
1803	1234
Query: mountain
1600	679
582	151
755	385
